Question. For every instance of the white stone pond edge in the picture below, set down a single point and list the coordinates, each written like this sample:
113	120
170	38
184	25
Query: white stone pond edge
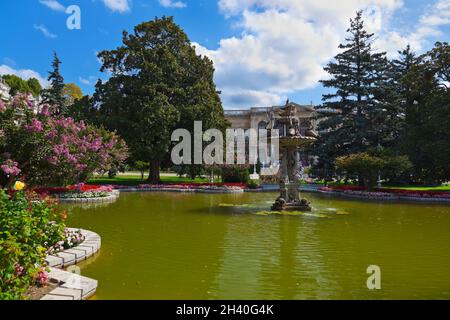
110	198
72	286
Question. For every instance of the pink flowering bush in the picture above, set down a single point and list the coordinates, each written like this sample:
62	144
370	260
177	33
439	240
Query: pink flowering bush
51	149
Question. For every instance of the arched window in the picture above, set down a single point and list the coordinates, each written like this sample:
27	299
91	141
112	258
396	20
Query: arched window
262	125
280	127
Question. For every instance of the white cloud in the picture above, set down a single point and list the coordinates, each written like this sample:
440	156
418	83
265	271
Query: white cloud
53	4
172	4
284	44
85	81
117	5
23	73
45	31
428	26
90	81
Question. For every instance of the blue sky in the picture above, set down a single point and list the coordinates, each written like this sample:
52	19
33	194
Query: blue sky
264	50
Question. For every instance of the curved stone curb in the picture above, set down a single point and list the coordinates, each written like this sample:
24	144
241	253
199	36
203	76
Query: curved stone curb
187	190
112	197
387	198
72	286
87	248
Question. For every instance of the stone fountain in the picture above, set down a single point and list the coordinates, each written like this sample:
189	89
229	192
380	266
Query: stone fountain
292	138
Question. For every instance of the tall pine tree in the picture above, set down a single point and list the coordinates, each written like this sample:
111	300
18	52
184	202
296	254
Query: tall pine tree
54	95
361	103
400	67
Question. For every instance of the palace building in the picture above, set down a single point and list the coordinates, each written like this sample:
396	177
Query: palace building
306	116
260	118
4	90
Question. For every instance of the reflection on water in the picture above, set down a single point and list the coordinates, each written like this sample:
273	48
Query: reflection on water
213	246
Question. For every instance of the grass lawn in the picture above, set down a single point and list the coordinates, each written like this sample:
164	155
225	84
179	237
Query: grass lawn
133	180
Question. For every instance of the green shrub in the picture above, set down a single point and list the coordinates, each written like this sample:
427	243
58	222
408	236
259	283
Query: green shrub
28	227
254	184
233	174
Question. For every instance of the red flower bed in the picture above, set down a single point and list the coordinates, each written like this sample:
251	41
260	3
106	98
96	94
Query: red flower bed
81	188
399	192
199	184
349	188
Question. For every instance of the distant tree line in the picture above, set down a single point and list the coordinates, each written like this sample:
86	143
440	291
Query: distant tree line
383	112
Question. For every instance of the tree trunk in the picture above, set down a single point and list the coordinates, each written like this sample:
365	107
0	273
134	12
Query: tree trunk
153	176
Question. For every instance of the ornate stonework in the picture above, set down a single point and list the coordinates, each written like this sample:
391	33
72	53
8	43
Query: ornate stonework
257	118
292	138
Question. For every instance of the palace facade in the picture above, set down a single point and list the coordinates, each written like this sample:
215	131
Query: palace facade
260	118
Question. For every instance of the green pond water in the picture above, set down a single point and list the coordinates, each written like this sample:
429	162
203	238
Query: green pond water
225	246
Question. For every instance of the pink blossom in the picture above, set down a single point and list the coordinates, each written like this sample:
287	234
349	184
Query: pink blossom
35	126
19	270
42	277
96	144
53	160
2	106
81	166
45	111
28	101
60	149
10	168
72	159
52	134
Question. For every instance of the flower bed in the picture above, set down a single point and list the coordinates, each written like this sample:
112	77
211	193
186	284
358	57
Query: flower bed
186	186
387	193
80	191
71	239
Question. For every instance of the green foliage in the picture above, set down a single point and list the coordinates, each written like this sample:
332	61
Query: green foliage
158	83
28	228
54	95
18	85
426	138
254	184
142	166
427	142
367	166
192	170
364	103
402	105
82	110
235	173
35	86
72	93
